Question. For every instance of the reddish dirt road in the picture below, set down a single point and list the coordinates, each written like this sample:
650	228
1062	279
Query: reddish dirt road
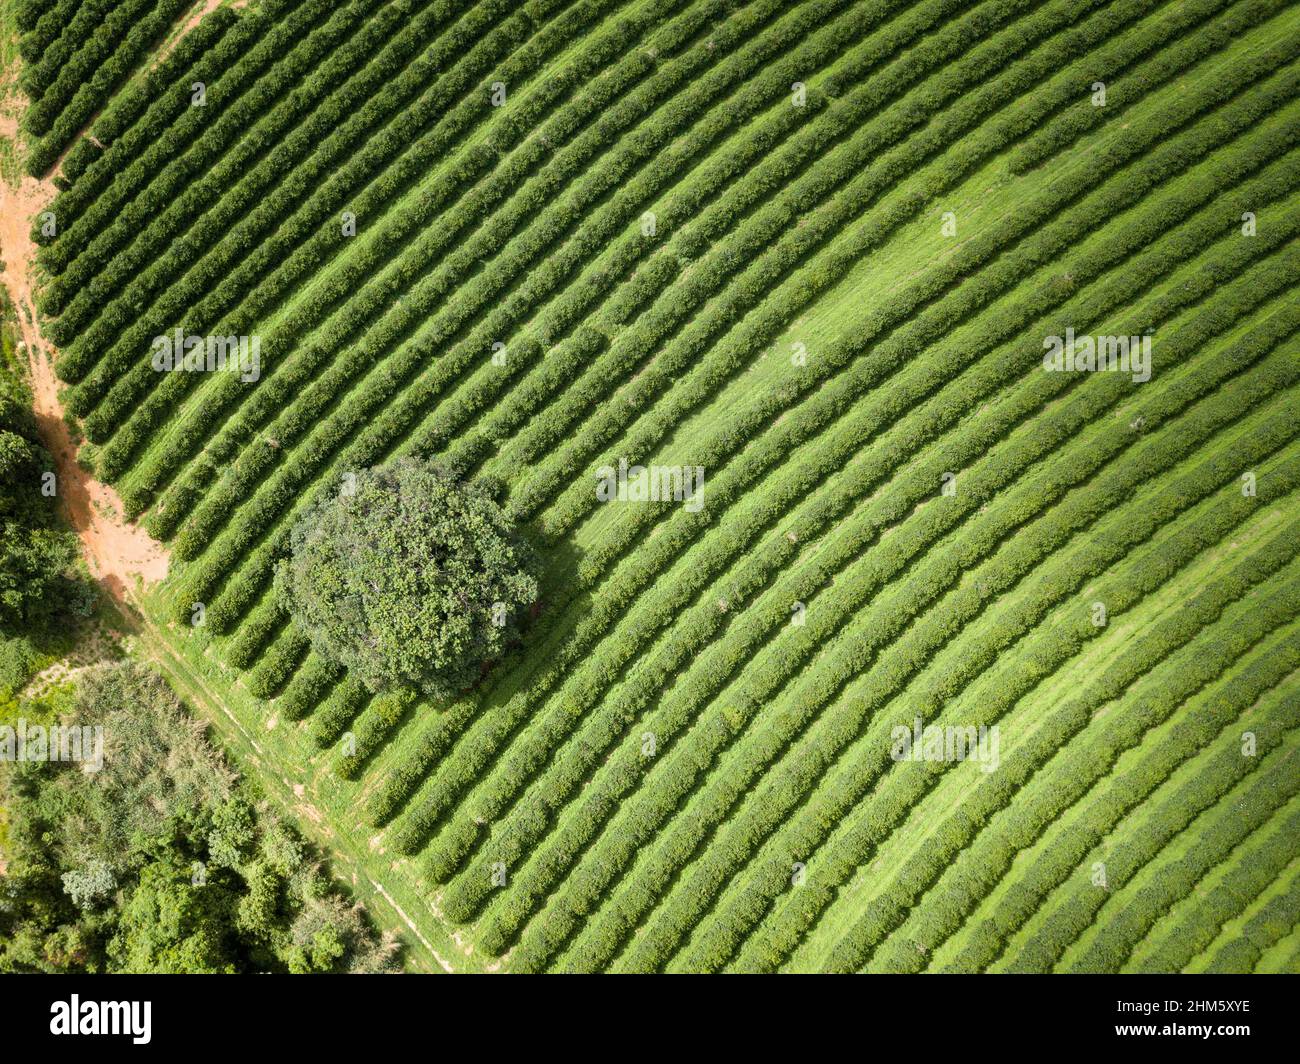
119	553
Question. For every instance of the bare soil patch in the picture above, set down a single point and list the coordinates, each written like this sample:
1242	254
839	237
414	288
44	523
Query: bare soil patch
119	552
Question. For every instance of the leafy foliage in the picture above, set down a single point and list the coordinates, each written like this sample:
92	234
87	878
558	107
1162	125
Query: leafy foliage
161	861
38	554
410	579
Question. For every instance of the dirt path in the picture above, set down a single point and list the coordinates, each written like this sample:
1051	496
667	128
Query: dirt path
118	551
194	18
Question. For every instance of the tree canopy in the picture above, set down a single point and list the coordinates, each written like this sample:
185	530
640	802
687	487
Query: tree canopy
408	577
161	860
40	579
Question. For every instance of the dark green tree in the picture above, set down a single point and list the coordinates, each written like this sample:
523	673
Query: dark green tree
36	553
408	577
160	860
40	579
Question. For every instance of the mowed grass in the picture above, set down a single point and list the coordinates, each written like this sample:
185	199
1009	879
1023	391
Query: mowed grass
833	300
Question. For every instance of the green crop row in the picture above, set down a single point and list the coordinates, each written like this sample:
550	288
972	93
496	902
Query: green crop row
338	711
135	102
28	15
256	633
171	204
884	616
384	713
53	45
957	399
216	267
304	366
159	163
84	85
309	687
1178	48
278	663
1278	916
434	742
149	108
1079	768
476	346
1219	831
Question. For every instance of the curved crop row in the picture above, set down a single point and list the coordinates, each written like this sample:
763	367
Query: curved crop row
1165	64
94	73
724	358
1218	832
140	116
193	296
1255	866
132	108
147	187
489	811
169	206
805	765
247	581
958	398
1263	930
377	297
1071	774
1013	275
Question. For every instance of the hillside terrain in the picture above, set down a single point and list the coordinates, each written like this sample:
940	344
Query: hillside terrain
808	262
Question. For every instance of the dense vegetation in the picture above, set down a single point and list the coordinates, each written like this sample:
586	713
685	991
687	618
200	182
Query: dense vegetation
160	860
76	55
407	578
815	249
42	585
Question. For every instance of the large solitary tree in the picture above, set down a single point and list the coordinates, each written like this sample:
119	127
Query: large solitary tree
408	577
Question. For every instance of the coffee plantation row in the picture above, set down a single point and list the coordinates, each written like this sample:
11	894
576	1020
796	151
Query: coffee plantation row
815	249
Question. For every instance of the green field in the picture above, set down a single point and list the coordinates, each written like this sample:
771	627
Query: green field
813	248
